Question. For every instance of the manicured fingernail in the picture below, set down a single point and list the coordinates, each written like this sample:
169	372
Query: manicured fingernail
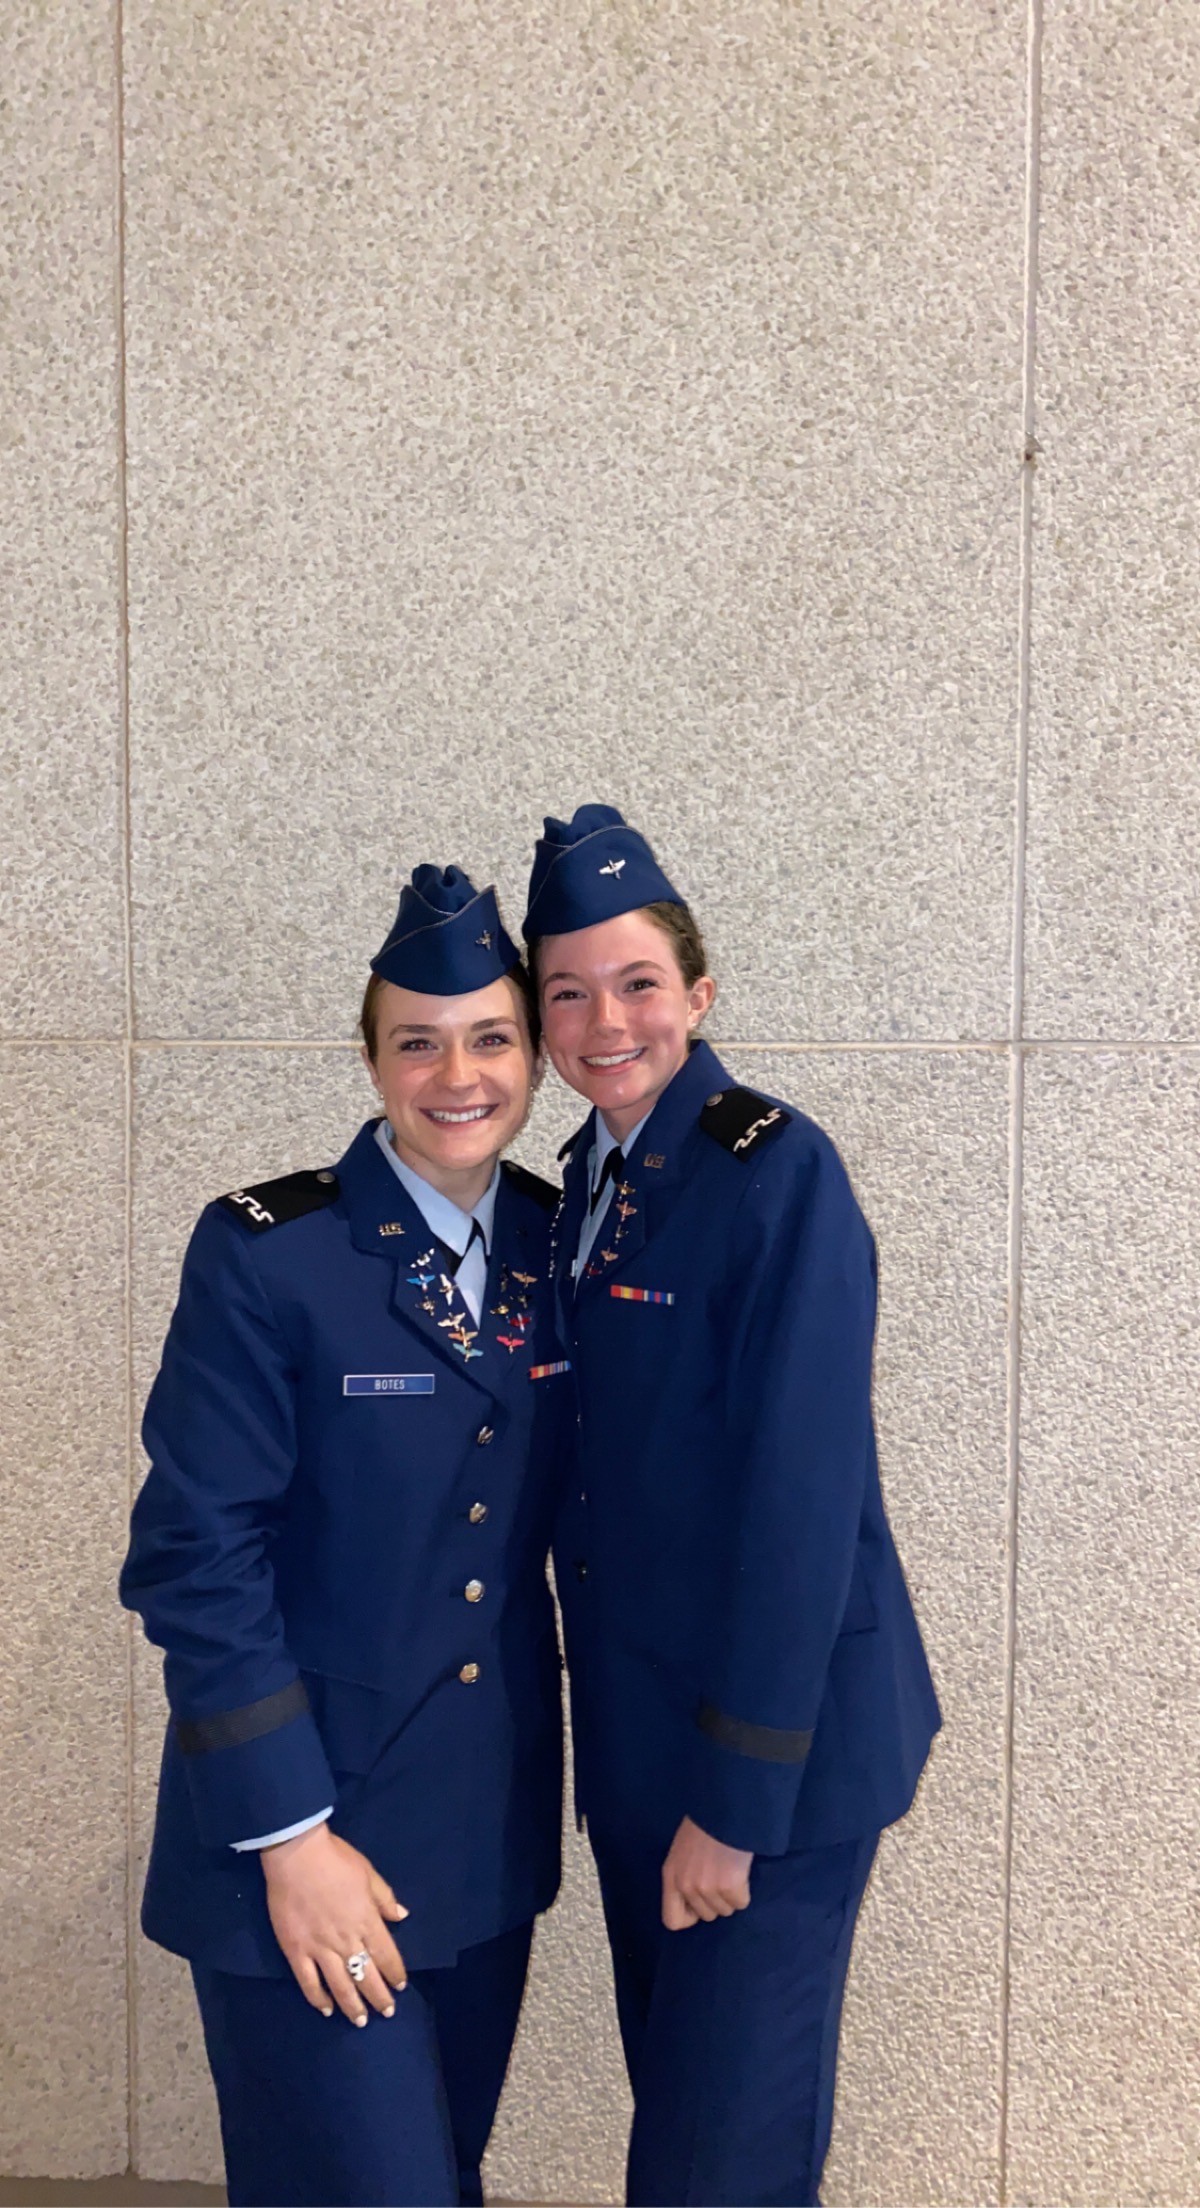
400	1909
360	2021
327	2012
390	2009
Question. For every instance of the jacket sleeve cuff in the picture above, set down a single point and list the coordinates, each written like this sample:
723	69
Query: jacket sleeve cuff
744	1780
255	1769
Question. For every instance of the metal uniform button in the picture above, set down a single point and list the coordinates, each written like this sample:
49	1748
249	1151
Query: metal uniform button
580	1568
485	1434
477	1513
474	1590
469	1674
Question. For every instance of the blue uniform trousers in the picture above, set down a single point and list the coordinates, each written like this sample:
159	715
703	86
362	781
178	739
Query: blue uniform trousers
318	2113
730	2029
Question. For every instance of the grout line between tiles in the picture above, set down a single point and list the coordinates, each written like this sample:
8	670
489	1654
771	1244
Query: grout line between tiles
1033	127
1028	1045
122	505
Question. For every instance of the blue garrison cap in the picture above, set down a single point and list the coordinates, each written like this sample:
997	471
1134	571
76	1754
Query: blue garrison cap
589	869
447	937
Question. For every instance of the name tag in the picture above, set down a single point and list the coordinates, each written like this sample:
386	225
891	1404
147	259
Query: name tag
387	1383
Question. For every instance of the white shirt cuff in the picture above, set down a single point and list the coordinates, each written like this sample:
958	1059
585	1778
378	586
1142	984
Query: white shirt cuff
270	1839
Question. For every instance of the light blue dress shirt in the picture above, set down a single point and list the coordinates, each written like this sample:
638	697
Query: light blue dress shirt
452	1226
449	1223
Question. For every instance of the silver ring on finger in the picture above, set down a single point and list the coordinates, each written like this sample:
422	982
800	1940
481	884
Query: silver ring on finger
357	1965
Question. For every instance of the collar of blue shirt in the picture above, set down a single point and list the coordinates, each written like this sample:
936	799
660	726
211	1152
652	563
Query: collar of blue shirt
605	1141
447	1220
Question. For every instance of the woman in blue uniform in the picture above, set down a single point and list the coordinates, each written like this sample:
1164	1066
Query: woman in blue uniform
341	1548
750	1699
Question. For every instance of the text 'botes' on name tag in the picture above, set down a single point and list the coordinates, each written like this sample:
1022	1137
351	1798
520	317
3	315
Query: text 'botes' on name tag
387	1383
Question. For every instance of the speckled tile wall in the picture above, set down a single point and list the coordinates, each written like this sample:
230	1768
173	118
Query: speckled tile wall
63	967
1114	795
531	400
1106	1888
414	419
63	1680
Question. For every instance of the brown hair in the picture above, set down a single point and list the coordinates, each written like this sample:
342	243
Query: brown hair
678	923
368	1018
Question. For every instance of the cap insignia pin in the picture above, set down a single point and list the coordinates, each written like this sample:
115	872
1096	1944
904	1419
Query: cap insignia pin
485	940
614	868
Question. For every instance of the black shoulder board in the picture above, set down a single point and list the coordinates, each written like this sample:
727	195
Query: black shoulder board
532	1184
741	1121
274	1203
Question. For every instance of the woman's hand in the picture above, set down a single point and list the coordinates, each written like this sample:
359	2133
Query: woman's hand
703	1878
327	1902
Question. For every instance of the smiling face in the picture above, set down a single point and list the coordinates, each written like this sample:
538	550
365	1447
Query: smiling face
454	1075
617	1014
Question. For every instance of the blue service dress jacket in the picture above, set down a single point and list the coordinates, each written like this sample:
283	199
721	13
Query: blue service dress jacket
740	1639
341	1546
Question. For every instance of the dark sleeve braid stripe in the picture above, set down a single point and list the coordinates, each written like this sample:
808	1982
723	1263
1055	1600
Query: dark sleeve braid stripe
767	1742
230	1728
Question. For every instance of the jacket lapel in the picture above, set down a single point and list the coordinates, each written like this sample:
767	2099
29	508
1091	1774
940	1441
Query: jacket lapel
516	1290
660	1159
620	1237
569	1223
386	1224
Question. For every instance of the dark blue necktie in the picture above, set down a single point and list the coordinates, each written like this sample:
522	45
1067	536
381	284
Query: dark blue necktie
614	1160
455	1258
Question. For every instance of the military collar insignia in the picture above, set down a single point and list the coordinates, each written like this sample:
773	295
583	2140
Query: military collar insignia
512	1305
742	1121
391	1226
429	1281
555	1230
654	1159
623	1208
423	1277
